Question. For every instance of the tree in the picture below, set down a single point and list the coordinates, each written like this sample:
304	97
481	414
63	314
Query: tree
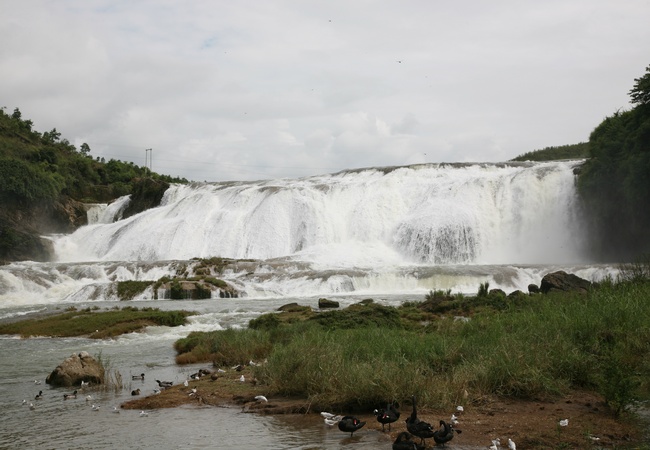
614	182
51	137
84	149
640	93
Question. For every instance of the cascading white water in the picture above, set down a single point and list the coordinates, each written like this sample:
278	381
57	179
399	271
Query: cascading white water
394	231
433	214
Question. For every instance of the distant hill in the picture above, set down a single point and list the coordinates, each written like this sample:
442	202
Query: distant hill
571	151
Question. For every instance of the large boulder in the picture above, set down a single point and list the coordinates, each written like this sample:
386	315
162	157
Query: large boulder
324	303
564	282
75	369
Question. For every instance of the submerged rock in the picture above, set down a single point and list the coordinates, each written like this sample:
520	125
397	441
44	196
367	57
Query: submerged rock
75	369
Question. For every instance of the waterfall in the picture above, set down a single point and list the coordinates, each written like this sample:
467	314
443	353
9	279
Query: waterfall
438	214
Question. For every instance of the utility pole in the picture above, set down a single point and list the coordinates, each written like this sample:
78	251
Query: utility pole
148	158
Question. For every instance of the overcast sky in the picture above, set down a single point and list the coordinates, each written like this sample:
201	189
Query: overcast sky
241	89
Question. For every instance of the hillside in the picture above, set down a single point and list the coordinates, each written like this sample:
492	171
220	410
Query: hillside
571	151
45	182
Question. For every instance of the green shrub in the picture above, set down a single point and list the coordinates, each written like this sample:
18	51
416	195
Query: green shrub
127	290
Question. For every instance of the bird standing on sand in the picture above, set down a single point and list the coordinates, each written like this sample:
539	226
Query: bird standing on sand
164	384
350	424
417	427
404	441
511	444
387	415
444	434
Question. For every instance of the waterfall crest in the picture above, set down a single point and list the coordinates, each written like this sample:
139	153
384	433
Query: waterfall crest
426	214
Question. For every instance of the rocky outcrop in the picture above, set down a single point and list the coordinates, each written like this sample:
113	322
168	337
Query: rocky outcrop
147	193
182	289
324	303
22	225
294	307
564	282
75	369
497	293
533	289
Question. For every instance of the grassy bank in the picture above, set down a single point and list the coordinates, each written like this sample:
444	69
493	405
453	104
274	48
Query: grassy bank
96	324
527	347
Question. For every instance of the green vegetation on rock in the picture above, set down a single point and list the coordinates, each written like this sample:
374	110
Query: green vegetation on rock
127	290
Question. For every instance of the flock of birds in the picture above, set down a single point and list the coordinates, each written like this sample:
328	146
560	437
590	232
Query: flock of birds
415	427
74	394
347	424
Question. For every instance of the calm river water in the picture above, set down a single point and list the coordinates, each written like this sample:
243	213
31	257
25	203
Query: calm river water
57	423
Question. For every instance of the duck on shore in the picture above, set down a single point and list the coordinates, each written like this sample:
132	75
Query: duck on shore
404	441
444	434
164	384
387	415
417	427
350	424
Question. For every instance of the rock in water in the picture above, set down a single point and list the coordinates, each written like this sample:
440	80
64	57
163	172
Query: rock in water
565	282
75	369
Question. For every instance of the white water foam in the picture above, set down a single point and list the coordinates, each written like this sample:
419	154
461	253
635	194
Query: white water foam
434	214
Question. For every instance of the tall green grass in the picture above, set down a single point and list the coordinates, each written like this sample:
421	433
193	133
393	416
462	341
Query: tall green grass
532	348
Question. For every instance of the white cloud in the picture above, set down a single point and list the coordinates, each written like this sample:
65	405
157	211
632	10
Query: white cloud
247	90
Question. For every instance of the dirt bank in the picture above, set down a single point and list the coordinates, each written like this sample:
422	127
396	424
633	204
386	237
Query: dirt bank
530	424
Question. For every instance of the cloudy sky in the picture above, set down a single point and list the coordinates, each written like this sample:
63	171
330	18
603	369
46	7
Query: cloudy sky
242	90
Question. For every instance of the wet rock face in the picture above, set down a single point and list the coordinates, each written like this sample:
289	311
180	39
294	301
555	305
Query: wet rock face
75	369
147	193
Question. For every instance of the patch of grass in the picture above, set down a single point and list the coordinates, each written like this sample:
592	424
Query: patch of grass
224	347
525	348
128	290
96	325
359	315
